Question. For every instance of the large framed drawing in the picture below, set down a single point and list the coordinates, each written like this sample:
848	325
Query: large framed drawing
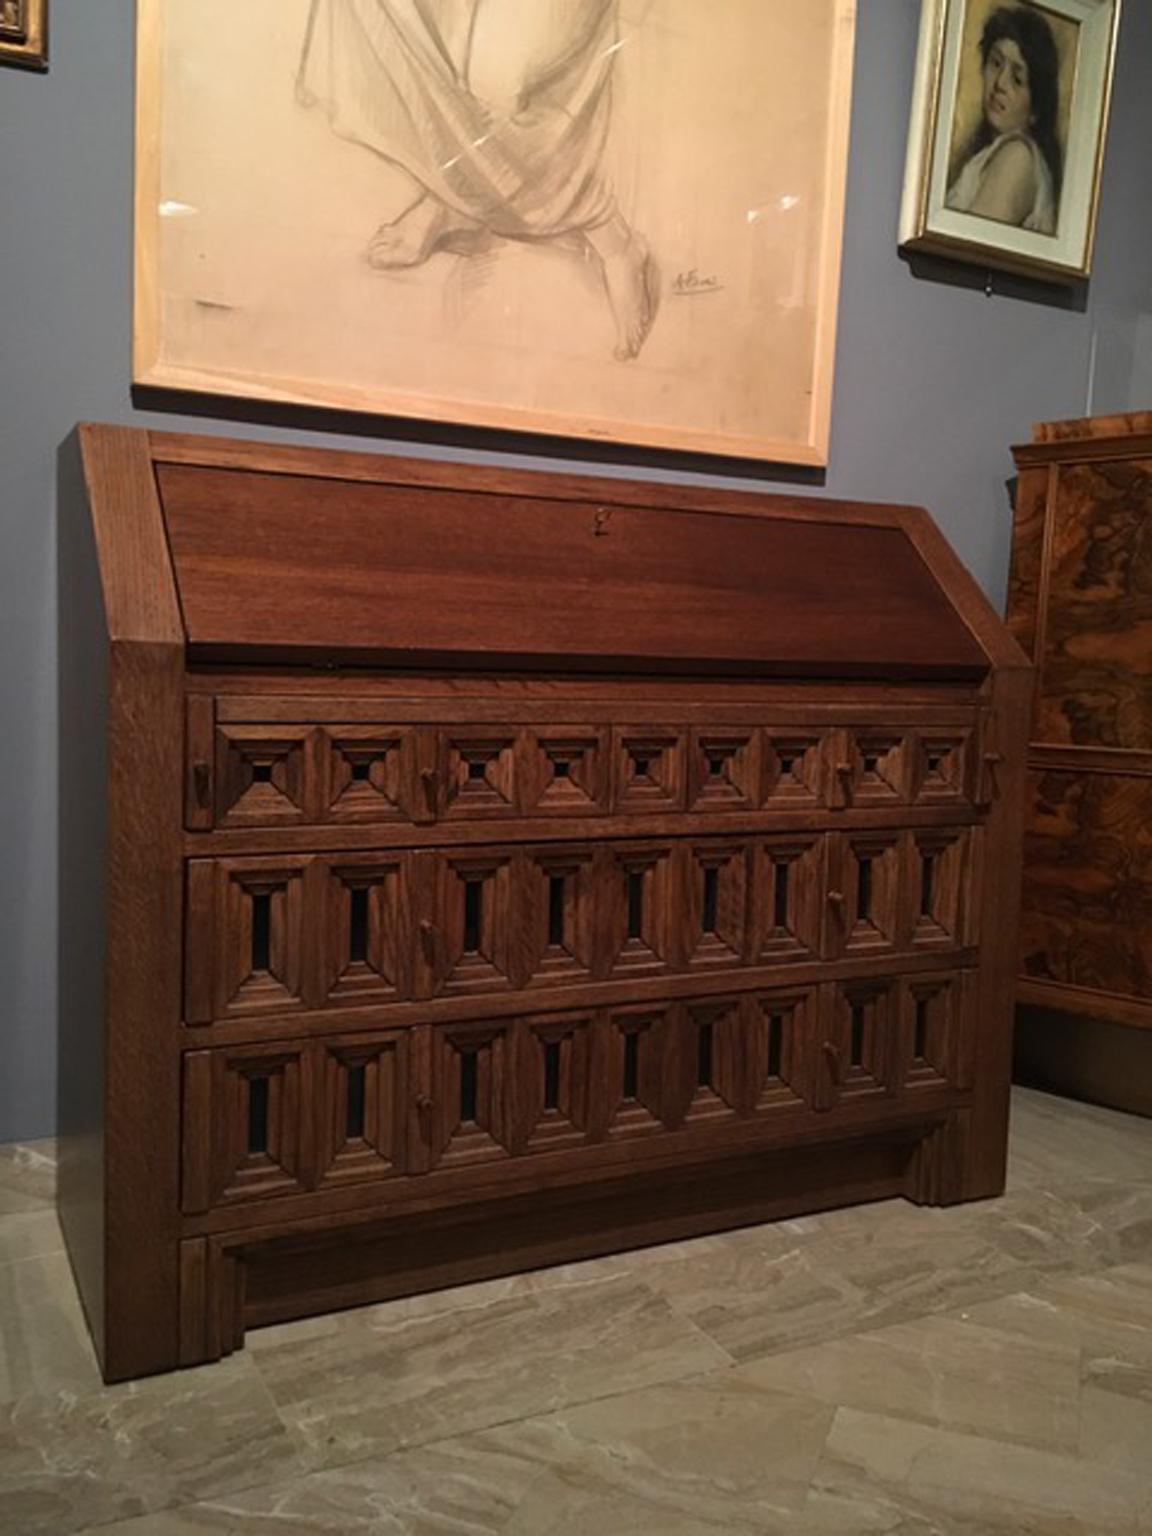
1006	142
611	219
24	33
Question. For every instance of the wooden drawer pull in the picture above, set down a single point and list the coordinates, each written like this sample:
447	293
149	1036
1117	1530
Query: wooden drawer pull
835	1060
430	943
836	900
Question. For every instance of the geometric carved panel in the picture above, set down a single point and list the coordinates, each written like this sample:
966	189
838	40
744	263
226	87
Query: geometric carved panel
724	770
564	771
634	1042
469	1118
778	1027
650	769
553	1081
869	878
789	894
793	769
712	908
931	1035
366	773
368	932
871	768
263	775
640	905
943	767
467	948
557	922
259	936
247	1126
478	773
856	1055
938	886
361	1108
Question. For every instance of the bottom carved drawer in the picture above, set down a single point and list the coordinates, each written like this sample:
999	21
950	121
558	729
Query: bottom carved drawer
264	1121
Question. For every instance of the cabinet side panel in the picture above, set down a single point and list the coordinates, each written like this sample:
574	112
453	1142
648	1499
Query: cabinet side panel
82	699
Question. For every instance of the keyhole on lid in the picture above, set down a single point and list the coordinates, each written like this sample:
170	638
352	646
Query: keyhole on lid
354	1113
257	1115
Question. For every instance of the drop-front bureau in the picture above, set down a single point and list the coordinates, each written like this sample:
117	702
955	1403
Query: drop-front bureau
465	871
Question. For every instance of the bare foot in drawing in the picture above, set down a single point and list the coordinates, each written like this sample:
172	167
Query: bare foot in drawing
411	239
631	281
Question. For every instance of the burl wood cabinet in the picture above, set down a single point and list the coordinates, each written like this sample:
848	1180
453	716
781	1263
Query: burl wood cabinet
500	868
1080	603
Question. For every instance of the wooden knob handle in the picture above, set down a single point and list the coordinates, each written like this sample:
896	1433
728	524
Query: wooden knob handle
430	941
836	900
845	770
993	759
835	1062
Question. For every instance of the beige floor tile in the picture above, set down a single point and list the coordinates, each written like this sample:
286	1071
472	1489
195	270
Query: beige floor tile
972	1484
44	1341
27	1176
873	1266
29	1235
69	1462
1053	1140
946	1372
709	1455
378	1383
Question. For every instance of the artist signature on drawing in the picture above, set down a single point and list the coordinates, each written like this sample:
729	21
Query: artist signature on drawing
690	284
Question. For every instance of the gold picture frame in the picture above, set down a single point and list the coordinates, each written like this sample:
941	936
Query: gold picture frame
616	220
1007	134
24	33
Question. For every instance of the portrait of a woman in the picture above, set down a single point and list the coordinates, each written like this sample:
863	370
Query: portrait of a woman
1011	168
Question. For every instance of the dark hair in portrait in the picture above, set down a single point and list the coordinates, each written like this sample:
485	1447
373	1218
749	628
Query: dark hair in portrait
1030	31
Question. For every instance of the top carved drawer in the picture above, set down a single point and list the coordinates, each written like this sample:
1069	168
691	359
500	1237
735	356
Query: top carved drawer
244	775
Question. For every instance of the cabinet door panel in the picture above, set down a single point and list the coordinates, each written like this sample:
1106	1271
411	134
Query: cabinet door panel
712	908
725	770
639	909
466	944
650	768
553	1081
469	1104
556	915
856	1055
478	770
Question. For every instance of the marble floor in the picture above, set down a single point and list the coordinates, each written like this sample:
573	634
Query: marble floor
978	1371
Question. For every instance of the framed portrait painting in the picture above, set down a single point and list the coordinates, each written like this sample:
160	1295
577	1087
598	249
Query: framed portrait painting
1006	142
618	220
24	33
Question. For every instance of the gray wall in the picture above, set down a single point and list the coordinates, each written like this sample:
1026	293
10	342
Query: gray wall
934	380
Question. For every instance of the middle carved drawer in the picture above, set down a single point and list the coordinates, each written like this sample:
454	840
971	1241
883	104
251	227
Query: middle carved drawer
287	933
